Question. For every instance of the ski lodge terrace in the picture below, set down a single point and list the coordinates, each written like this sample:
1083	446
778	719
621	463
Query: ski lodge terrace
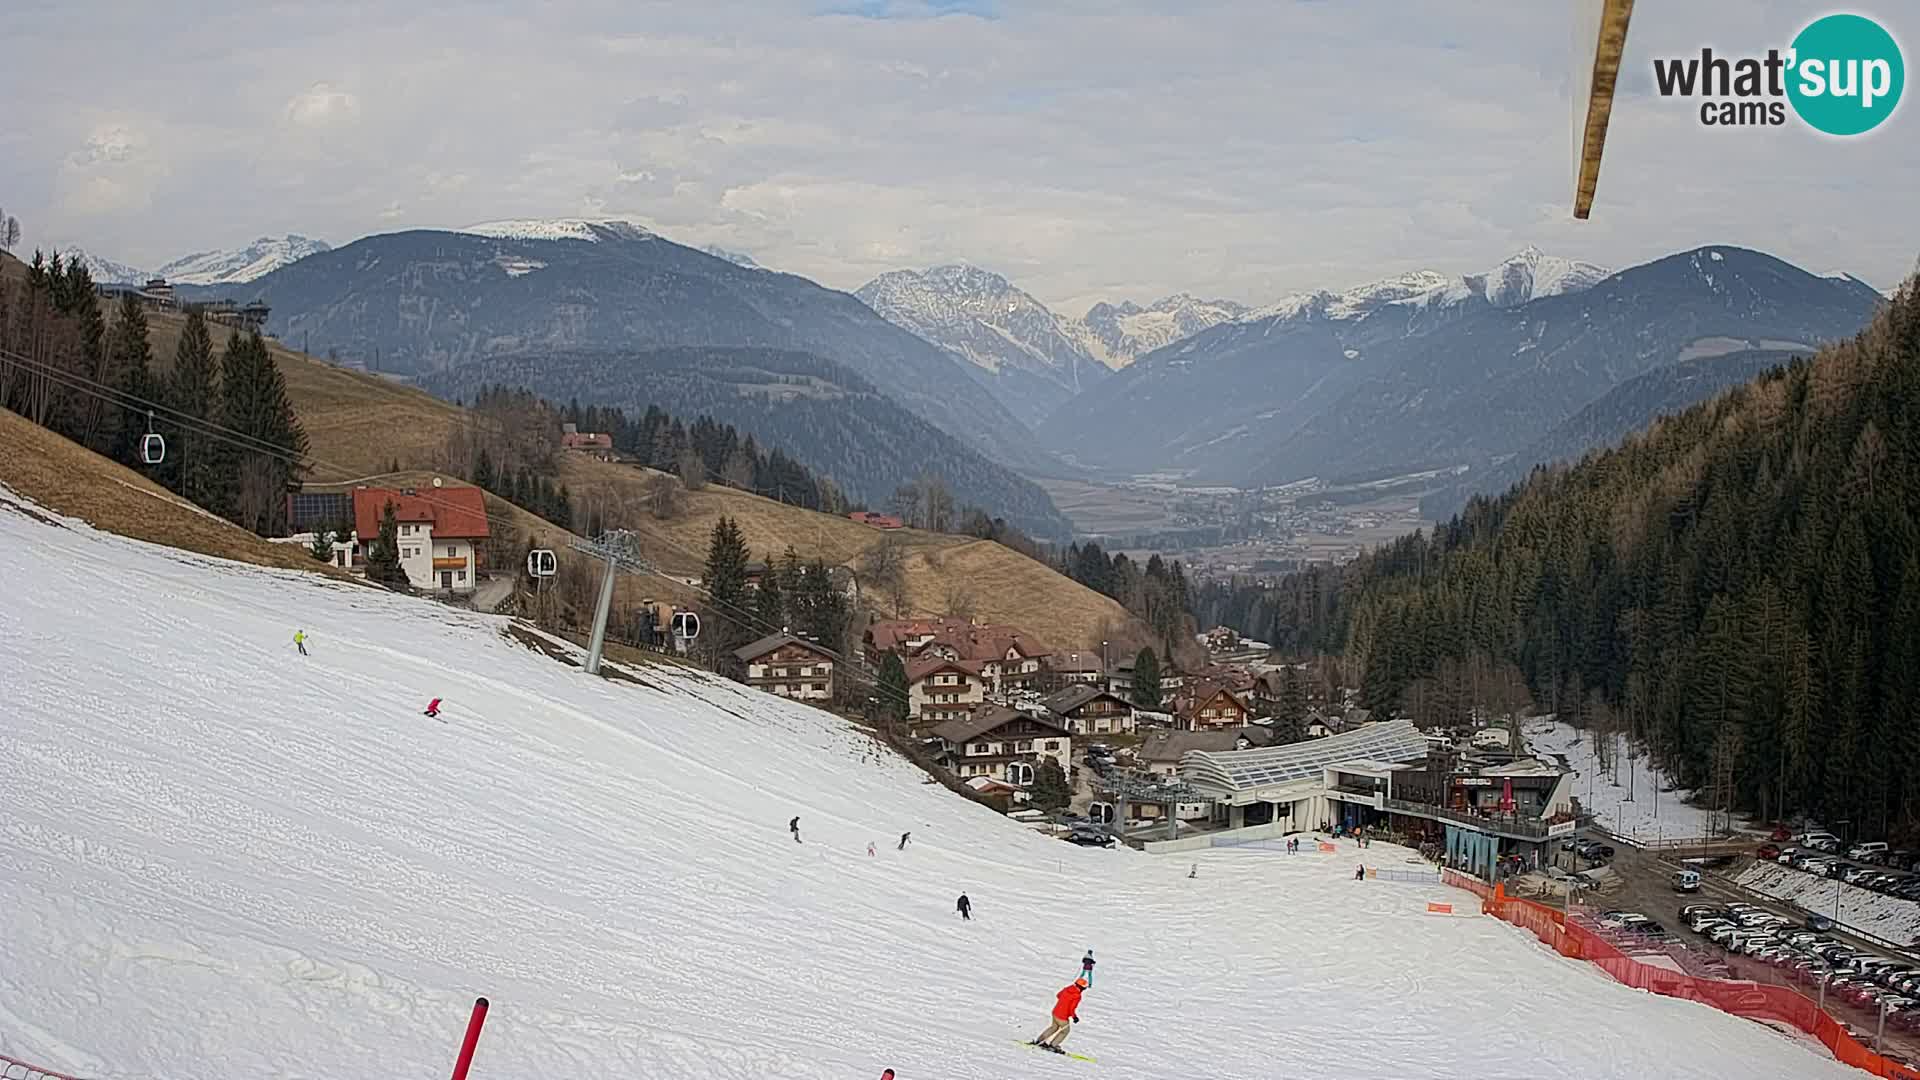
1387	776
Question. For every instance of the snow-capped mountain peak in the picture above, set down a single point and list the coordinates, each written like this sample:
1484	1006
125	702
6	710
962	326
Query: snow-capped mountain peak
986	320
737	258
1527	275
237	265
1117	334
108	272
591	230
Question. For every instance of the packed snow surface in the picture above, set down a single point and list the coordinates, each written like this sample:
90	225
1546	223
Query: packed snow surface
1670	817
218	857
1886	917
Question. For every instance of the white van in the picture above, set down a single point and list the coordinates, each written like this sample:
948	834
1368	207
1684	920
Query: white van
1686	881
1823	841
1867	852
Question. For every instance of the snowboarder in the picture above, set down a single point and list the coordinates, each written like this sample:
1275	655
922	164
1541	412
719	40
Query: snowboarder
433	708
300	641
1195	872
904	837
794	828
1360	872
964	907
1066	1013
1086	967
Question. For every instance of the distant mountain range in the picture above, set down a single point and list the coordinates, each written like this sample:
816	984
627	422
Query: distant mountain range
228	267
1428	370
1032	358
823	415
424	301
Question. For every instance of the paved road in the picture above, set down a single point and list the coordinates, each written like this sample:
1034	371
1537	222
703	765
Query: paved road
1646	886
492	593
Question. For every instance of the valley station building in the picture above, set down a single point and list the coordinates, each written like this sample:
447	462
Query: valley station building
1389	776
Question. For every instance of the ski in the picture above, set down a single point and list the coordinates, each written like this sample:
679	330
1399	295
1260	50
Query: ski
1064	1053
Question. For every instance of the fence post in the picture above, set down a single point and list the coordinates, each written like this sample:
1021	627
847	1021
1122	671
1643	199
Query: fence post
465	1059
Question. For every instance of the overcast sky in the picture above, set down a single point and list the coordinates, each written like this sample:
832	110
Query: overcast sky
1086	148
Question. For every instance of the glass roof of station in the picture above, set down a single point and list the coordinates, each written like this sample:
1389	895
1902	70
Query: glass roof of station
1396	742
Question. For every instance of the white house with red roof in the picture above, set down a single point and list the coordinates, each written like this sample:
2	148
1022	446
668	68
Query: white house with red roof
438	536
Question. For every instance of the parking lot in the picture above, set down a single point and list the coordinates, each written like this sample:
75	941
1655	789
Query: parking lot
1645	886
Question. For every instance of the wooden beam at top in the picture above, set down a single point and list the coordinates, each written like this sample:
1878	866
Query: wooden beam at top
1606	71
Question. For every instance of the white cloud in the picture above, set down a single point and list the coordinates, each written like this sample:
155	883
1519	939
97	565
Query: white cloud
322	104
1089	148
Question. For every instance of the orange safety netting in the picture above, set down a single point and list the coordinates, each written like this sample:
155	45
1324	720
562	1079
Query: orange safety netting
1755	1001
14	1069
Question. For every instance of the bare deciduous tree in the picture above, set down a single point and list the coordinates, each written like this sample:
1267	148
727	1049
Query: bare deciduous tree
664	498
693	470
959	601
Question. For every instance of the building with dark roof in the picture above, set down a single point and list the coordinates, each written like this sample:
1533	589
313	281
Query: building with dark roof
1002	744
789	666
1089	710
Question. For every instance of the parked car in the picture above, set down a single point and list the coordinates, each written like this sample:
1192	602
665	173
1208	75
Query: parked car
1781	834
1767	851
1090	836
1869	851
1821	841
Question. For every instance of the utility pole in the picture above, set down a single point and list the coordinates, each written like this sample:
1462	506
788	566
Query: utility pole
620	550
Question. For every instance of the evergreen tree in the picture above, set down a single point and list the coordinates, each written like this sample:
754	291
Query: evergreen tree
383	555
322	546
129	359
1146	680
195	465
483	477
890	692
1050	790
1290	723
256	408
770	602
726	582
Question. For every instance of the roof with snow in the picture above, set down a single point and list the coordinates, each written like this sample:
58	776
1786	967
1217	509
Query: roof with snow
1240	770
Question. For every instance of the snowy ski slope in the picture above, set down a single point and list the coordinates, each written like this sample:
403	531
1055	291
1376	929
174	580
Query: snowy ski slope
218	858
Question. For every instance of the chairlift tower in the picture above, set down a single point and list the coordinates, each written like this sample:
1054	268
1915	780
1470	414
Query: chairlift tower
619	549
1168	792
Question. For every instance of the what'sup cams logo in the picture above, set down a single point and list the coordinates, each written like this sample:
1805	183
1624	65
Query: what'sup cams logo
1842	76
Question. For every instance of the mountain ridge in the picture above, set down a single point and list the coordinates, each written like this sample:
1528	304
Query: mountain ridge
423	300
1413	373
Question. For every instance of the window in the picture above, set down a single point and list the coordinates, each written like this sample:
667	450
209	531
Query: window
1053	744
1024	746
450	553
460	575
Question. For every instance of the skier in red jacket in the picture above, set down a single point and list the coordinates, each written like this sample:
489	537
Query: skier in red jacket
1066	1013
433	708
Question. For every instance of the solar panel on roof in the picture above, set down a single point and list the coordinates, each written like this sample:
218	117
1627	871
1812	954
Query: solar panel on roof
1394	743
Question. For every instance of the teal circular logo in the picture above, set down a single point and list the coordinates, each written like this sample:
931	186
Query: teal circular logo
1846	76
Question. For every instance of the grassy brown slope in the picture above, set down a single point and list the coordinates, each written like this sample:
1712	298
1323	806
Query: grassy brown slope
64	476
357	424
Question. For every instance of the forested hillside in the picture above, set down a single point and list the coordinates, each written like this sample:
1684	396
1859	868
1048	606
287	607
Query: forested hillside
819	411
1738	587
